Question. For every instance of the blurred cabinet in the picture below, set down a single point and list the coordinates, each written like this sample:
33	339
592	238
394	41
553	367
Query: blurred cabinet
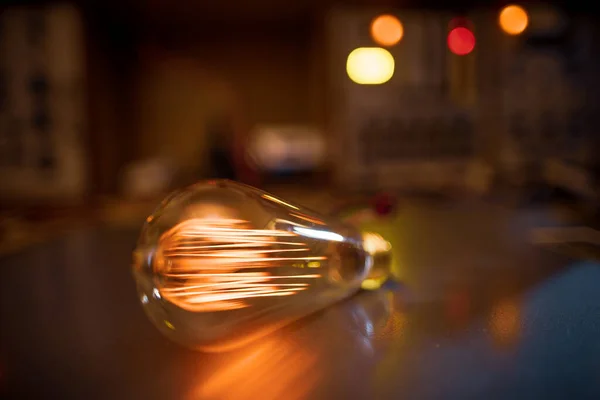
42	104
416	131
512	109
545	117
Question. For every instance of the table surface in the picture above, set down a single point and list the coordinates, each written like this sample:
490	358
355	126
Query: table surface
478	313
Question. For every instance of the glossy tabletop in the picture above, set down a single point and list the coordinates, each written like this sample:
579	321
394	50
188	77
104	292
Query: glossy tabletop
478	312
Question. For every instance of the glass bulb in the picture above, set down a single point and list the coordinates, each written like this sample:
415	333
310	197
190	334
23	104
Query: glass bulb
220	264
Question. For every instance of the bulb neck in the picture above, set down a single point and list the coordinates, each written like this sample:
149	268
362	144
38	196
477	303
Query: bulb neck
380	252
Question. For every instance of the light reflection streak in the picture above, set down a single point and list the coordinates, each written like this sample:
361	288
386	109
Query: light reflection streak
209	264
278	201
307	218
273	368
318	234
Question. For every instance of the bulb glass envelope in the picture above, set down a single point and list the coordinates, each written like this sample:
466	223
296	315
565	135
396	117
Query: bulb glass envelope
220	264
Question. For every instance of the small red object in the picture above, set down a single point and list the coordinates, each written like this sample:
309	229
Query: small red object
384	204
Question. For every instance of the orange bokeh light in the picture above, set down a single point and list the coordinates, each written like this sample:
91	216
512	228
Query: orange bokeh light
386	30
461	41
513	20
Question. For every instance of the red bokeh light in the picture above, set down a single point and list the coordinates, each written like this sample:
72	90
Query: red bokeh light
461	41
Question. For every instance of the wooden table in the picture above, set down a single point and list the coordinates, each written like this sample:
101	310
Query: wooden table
480	313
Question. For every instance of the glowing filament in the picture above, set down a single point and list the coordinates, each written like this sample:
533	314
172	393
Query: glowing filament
218	264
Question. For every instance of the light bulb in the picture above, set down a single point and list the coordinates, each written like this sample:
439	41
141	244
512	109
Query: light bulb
220	264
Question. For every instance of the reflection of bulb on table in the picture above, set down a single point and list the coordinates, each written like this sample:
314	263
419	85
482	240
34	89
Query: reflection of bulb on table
220	263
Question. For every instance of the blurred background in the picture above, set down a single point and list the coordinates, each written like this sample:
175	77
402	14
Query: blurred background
107	106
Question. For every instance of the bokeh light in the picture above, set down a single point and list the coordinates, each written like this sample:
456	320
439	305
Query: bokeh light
386	30
461	41
370	65
513	20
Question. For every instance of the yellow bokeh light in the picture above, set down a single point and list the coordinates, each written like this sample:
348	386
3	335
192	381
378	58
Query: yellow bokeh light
370	65
513	20
386	30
